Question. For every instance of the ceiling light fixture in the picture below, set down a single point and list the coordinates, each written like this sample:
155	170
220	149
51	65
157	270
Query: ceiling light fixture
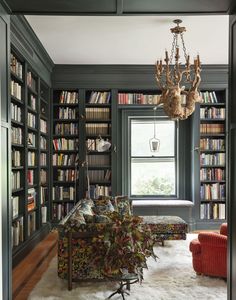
178	103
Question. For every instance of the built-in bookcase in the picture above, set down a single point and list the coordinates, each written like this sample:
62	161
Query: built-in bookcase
30	151
98	126
65	152
212	156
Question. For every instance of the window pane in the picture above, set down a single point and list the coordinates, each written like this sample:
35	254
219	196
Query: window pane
143	130
152	178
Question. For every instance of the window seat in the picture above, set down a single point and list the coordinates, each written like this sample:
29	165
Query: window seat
185	203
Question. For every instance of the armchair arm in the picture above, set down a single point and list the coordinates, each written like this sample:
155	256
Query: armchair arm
213	239
195	246
223	229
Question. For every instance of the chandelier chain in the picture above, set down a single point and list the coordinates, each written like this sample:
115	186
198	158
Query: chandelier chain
173	47
184	48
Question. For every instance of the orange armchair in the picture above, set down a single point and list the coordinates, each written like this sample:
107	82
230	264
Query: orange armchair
209	253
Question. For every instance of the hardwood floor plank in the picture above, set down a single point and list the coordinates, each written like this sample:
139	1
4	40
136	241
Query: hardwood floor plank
30	270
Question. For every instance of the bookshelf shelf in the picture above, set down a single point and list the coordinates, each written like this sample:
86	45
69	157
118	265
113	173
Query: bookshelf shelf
16	100
98	105
212	156
99	167
63	201
213	104
43	117
212	120
31	90
30	109
32	129
17	123
212	151
65	120
66	104
65	151
66	136
17	190
16	77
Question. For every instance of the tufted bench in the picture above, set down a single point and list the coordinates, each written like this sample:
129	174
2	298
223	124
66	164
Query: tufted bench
166	227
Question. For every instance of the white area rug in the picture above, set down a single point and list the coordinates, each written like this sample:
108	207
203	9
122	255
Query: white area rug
170	277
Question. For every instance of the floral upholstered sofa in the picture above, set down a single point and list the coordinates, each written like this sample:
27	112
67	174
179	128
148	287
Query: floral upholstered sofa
102	239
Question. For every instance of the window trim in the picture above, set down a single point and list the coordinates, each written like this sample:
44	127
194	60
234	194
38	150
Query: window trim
127	115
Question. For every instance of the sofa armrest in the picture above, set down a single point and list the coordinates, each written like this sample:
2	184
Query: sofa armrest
195	246
213	239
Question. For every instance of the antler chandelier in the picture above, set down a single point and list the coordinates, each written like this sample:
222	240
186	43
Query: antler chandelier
178	103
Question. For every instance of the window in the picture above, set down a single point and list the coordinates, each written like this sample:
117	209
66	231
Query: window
152	174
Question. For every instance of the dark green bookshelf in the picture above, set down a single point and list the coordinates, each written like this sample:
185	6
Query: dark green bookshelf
27	221
213	172
64	101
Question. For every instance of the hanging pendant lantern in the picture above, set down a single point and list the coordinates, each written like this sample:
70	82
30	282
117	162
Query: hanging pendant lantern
154	142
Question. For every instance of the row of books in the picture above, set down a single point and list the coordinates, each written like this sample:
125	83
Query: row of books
16	66
30	177
66	175
64	159
209	97
68	97
98	160
99	190
59	211
31	120
43	159
43	126
63	193
212	211
212	174
92	144
100	97
16	181
97	128
16	158
212	144
212	159
31	139
32	101
64	128
138	98
212	113
31	223
97	113
44	194
31	199
99	175
44	210
43	176
15	206
15	112
16	89
66	113
43	143
31	82
16	135
212	128
213	191
31	158
17	232
65	144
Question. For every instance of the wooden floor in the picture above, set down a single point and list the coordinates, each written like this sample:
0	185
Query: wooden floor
30	270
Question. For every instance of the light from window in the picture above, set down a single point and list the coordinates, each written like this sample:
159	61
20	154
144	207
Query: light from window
153	174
